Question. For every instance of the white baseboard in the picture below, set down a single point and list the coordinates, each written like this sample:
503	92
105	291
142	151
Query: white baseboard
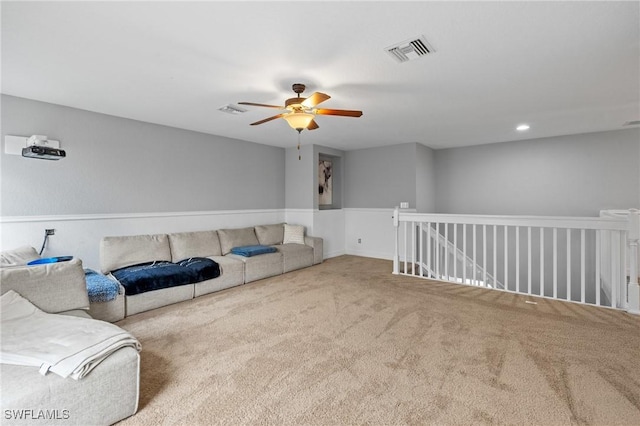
335	254
372	254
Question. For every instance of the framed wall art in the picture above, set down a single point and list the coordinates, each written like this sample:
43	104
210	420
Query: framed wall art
325	182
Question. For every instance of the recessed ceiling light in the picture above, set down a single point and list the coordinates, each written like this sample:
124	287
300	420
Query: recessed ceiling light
522	127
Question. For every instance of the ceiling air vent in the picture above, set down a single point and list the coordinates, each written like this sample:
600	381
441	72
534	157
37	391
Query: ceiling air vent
410	49
232	109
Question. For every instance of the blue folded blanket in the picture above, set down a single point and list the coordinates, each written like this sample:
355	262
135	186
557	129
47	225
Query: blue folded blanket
157	275
99	287
248	251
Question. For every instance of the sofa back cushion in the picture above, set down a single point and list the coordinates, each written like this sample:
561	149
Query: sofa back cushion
230	238
118	252
20	256
270	235
194	244
52	287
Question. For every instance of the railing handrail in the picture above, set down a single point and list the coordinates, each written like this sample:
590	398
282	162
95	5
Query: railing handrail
564	222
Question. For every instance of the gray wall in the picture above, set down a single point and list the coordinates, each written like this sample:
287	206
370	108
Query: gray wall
425	179
299	177
380	177
576	175
116	165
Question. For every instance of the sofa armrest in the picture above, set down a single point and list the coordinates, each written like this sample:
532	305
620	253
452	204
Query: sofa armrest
317	244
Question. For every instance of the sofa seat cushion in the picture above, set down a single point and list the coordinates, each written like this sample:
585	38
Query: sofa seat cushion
230	238
258	267
231	275
105	396
202	268
295	256
159	275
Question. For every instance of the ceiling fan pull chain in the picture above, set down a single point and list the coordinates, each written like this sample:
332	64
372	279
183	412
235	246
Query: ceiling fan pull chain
299	156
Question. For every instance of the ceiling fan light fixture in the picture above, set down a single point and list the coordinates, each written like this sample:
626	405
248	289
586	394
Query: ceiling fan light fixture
299	120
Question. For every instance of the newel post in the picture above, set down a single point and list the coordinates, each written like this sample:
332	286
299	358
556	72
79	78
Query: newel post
633	290
396	255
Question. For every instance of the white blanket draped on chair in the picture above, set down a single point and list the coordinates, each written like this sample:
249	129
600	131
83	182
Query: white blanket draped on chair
68	346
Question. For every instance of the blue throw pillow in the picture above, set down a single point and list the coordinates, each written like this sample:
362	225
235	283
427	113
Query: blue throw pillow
248	251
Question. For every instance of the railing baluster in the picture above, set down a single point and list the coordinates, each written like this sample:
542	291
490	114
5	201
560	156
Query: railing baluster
404	226
555	263
437	250
528	260
614	270
506	258
569	286
446	251
541	289
475	258
495	256
464	253
455	252
582	265
598	260
517	259
623	270
421	267
484	255
413	248
429	269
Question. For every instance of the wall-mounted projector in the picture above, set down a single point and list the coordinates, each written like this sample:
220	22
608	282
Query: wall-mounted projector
43	152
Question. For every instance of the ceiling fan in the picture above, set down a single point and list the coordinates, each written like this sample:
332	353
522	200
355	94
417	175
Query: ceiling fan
302	111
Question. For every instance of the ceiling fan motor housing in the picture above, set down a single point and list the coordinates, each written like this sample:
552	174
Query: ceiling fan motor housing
294	102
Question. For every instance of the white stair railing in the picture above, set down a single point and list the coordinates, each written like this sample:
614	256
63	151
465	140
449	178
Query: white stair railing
582	260
453	264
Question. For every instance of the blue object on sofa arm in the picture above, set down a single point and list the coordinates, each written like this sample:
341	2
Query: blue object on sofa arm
248	251
99	287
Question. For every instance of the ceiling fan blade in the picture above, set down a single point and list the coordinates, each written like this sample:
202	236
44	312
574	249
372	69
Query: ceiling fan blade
315	99
267	119
312	125
261	105
341	112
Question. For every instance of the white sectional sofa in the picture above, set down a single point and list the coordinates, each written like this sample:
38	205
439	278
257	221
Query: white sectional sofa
109	393
294	250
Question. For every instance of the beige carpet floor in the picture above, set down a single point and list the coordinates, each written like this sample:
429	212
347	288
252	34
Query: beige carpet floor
347	342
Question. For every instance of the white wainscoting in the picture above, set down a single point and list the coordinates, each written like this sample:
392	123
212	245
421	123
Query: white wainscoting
300	217
329	224
80	235
374	228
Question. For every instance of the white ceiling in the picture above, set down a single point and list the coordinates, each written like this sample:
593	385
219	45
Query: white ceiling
562	67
